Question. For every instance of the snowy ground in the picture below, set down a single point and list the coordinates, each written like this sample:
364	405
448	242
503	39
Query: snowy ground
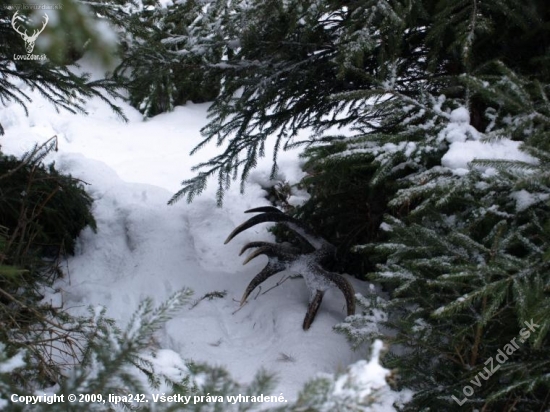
145	248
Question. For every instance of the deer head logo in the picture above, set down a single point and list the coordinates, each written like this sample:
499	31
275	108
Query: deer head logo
29	40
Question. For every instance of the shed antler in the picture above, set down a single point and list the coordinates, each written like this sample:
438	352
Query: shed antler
307	260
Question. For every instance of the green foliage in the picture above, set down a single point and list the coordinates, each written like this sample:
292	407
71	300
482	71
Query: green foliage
277	78
41	213
111	357
467	270
464	260
217	382
377	67
123	361
161	65
463	257
350	188
61	86
107	360
44	209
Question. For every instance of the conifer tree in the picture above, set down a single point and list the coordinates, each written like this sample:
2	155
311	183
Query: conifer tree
297	65
61	86
162	61
463	254
468	270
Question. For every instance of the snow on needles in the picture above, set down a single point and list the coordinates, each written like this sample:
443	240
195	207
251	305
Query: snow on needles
465	144
524	199
9	365
366	380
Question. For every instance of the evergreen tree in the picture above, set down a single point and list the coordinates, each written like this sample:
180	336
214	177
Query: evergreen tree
105	360
41	213
59	84
463	254
162	64
465	257
296	65
468	270
123	362
278	73
93	356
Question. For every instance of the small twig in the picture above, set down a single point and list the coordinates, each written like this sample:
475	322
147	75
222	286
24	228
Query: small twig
279	283
30	158
38	314
217	343
240	307
209	296
259	291
283	357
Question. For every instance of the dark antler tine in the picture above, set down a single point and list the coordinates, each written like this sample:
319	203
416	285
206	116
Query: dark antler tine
260	251
265	274
308	239
271	250
345	287
251	245
263	209
314	304
253	221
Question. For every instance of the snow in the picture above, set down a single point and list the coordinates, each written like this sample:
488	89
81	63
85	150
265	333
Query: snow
9	365
466	145
461	153
460	115
168	364
459	129
385	227
145	248
366	379
524	199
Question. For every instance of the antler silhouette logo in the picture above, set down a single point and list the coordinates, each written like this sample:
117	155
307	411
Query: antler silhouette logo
29	40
